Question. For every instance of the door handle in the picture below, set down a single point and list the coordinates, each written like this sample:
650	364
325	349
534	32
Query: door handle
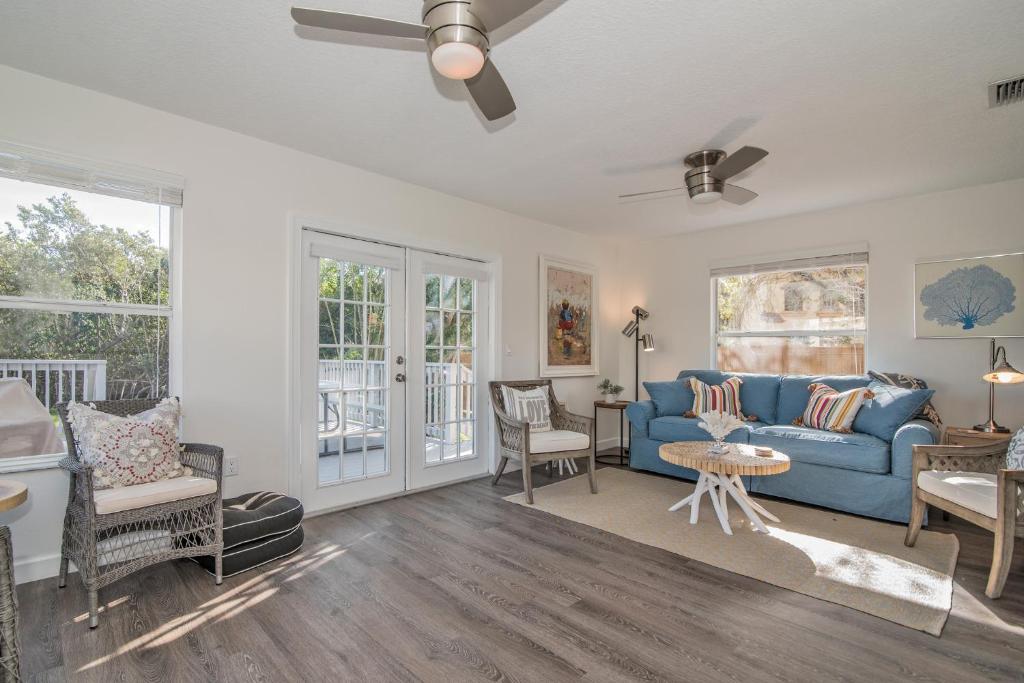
400	377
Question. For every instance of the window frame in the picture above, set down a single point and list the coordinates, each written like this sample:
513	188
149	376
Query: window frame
170	310
827	260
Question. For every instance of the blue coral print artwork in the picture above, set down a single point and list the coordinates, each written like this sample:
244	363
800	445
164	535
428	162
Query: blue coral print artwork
970	297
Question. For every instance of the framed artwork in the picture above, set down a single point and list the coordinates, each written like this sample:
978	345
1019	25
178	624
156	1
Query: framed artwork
568	318
970	297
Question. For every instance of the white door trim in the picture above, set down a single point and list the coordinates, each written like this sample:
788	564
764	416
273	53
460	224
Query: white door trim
297	222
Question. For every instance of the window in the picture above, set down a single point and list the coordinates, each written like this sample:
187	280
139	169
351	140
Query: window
85	290
805	316
450	381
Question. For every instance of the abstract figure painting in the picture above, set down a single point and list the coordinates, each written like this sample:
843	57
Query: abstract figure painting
970	297
568	319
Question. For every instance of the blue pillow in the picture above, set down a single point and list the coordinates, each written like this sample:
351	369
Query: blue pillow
670	398
891	407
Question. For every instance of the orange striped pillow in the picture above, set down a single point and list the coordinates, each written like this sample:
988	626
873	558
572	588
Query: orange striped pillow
831	410
716	398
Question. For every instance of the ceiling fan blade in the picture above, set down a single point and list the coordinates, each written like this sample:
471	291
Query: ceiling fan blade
490	93
737	195
357	23
743	159
495	13
633	195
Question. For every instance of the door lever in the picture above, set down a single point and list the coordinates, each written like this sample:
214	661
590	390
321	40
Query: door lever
400	377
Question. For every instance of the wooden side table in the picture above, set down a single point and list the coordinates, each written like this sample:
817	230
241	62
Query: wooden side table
964	436
623	451
12	494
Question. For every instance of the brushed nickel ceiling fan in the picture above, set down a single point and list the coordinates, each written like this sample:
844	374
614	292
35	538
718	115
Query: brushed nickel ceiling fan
456	34
709	169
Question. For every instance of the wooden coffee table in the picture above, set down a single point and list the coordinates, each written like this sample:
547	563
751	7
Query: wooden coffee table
720	476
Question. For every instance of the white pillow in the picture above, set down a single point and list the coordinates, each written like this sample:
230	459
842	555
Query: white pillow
529	406
125	451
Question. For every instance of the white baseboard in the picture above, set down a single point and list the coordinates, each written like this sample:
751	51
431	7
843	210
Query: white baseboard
35	568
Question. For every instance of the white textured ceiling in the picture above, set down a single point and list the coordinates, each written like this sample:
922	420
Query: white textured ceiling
855	100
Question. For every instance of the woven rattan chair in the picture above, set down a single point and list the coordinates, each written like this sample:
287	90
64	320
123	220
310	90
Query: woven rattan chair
995	490
188	527
514	435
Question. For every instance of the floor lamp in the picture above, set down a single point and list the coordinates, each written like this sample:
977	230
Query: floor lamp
999	373
632	329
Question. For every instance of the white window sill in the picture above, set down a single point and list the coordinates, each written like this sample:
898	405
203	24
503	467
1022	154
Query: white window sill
29	463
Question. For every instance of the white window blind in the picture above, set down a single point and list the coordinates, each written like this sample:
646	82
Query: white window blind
834	260
50	168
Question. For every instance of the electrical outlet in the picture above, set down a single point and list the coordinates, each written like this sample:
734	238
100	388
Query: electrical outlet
231	466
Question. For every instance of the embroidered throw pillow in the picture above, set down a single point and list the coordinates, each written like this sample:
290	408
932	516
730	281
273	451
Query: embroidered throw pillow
529	406
716	398
1015	453
125	451
831	410
925	412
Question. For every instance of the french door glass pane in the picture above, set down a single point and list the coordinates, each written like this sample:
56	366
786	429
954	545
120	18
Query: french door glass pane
352	391
450	355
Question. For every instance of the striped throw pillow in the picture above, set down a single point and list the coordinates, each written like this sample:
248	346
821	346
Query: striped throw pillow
716	398
831	410
529	406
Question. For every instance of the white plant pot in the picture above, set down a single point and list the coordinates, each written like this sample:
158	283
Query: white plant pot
611	398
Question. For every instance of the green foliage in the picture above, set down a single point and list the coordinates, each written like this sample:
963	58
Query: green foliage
58	253
608	387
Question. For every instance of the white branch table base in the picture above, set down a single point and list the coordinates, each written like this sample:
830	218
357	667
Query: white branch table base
720	478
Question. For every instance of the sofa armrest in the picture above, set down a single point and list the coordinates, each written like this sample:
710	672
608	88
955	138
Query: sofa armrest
913	433
639	414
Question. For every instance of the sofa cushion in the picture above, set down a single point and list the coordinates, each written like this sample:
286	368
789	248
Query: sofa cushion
832	410
860	452
153	493
670	398
716	398
558	440
759	394
678	428
973	490
794	392
889	409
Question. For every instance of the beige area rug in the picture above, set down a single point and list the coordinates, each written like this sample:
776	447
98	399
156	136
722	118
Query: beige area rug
843	559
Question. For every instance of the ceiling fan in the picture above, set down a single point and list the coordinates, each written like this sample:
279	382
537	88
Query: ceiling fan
456	34
709	169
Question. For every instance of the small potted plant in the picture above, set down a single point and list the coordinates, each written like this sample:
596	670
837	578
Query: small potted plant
609	390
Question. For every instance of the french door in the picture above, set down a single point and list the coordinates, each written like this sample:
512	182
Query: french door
392	356
448	360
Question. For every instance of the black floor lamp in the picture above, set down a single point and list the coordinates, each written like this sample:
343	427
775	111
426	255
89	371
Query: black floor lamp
632	329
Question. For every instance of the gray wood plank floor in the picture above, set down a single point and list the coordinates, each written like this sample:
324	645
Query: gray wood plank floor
455	584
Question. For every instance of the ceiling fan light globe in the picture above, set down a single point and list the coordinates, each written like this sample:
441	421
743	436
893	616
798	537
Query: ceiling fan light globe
709	197
458	61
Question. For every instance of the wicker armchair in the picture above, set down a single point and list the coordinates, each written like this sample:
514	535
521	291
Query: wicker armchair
988	462
514	435
108	547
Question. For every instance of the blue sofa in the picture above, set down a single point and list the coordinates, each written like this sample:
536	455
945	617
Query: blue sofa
856	472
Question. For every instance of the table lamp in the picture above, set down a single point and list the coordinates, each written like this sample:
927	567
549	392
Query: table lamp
1000	373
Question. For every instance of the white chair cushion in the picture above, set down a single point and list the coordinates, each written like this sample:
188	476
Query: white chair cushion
558	440
972	490
155	492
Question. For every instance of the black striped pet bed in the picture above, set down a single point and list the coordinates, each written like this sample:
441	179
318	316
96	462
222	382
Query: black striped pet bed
258	528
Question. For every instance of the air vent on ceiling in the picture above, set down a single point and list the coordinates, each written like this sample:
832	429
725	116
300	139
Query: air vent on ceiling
1006	92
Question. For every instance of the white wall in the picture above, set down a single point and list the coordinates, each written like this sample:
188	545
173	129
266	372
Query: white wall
239	195
670	278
